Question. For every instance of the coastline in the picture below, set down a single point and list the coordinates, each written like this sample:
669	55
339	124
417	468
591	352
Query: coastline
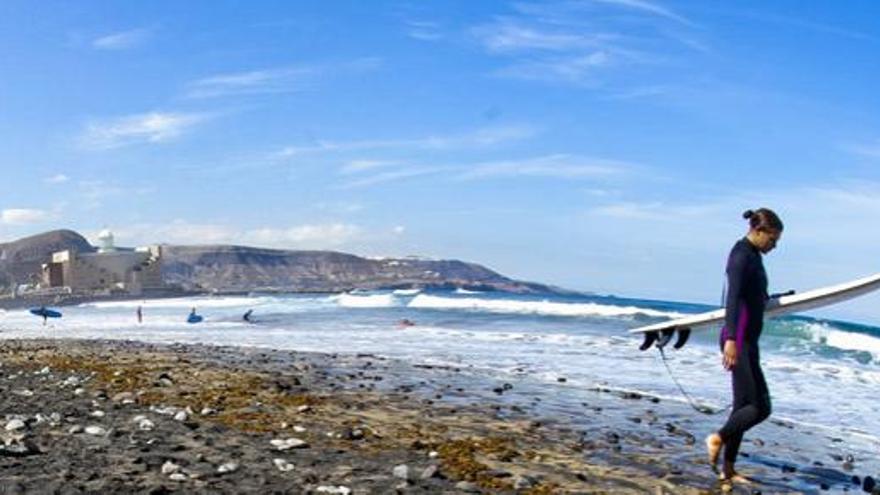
231	403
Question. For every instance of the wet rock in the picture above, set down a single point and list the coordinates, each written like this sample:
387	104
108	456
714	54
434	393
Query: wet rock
97	413
164	380
75	429
178	477
124	398
303	409
869	484
524	482
353	434
20	448
207	411
497	473
562	379
282	465
229	467
467	487
290	443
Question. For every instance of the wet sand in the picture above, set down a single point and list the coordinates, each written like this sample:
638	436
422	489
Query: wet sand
124	417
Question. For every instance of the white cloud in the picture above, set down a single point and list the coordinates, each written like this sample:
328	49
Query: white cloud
57	179
153	127
358	166
269	81
121	40
306	236
392	176
580	69
558	166
23	216
647	7
483	137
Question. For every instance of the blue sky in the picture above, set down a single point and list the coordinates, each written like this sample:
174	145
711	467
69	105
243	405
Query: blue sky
604	145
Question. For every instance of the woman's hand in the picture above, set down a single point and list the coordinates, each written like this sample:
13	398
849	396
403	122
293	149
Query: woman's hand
729	357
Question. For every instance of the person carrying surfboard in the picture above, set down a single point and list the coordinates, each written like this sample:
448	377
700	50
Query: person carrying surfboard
745	302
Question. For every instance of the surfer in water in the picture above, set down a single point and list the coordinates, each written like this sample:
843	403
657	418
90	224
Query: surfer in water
247	315
745	301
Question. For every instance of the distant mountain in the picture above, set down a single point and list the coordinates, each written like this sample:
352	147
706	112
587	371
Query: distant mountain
241	268
21	260
232	268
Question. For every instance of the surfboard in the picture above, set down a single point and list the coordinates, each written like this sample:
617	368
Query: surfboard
194	319
661	333
46	312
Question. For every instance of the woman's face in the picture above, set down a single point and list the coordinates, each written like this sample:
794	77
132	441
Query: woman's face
767	239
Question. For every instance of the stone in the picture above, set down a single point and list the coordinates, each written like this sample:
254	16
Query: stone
467	487
73	430
229	467
524	482
303	409
282	465
79	391
290	443
207	411
146	425
401	471
97	414
178	477
15	424
334	490
299	429
124	398
181	416
169	468
95	430
431	471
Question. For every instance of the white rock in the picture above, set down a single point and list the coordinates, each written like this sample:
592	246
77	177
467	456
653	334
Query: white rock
303	409
170	468
401	471
283	465
24	392
290	443
229	467
95	430
73	430
146	425
98	414
70	382
44	371
433	454
337	490
55	417
15	424
138	418
299	429
207	411
79	391
178	477
181	416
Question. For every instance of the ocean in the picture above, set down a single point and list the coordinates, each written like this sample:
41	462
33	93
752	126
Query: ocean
823	375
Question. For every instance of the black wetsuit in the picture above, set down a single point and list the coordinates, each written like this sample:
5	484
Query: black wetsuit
744	319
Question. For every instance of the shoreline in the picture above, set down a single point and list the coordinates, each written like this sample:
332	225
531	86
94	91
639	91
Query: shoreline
362	416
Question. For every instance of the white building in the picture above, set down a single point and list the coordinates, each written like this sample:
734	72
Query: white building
110	269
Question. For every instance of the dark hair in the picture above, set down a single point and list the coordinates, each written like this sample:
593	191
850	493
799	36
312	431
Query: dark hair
763	219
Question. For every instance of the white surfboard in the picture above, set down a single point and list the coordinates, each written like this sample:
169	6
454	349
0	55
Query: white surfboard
661	333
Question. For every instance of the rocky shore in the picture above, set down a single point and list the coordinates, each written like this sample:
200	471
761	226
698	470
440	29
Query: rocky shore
127	417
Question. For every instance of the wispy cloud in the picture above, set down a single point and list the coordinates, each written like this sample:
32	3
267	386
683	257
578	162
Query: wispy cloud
647	7
23	216
558	166
866	150
275	80
57	179
506	36
423	30
256	82
153	127
358	166
488	136
367	180
122	40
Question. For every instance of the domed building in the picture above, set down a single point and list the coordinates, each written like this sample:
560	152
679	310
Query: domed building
109	270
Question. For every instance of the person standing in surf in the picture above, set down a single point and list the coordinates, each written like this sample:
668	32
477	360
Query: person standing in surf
745	301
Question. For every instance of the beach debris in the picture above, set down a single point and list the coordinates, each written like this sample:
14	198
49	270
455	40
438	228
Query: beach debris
282	465
290	443
95	430
229	467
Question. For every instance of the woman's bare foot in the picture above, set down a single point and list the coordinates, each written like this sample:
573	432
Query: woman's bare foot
713	447
734	477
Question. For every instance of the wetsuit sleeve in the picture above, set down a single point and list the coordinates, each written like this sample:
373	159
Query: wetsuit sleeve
736	271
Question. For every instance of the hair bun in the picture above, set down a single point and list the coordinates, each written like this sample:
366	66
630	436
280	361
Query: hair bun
748	214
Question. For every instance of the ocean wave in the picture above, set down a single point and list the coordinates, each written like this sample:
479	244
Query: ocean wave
424	301
406	292
189	302
371	301
465	291
826	338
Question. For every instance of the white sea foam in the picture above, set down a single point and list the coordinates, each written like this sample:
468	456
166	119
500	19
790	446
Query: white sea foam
371	301
465	291
425	301
199	302
826	334
406	292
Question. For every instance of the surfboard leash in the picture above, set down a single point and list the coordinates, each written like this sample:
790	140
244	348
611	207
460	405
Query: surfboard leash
700	409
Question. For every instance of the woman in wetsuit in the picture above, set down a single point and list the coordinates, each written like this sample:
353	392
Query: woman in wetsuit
744	319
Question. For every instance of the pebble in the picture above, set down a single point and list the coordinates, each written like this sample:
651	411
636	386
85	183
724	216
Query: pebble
181	416
207	411
15	424
73	430
229	467
299	429
433	454
303	409
79	391
170	468
97	414
290	443
124	398
178	477
282	465
401	471
95	430
467	486
337	490
430	472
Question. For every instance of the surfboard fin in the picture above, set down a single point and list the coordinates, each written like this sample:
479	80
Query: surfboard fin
665	338
682	339
650	337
